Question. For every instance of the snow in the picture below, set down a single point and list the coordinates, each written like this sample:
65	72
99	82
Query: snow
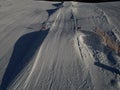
53	45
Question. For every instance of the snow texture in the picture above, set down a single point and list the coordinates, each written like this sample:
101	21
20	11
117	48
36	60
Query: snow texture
59	46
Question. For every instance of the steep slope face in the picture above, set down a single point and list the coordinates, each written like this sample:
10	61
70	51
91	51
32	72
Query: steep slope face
54	46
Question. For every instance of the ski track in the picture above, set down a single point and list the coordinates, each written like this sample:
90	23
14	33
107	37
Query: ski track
37	58
83	49
66	59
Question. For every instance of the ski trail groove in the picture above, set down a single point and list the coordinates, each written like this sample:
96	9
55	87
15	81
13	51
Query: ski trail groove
38	55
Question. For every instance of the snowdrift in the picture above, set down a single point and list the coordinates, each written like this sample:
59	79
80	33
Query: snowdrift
59	46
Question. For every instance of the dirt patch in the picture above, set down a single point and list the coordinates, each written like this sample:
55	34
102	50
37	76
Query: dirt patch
107	41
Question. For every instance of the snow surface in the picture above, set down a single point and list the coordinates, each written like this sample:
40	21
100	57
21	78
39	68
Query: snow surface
53	46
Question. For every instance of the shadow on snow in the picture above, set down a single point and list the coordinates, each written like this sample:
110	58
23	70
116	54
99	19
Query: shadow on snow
23	51
111	69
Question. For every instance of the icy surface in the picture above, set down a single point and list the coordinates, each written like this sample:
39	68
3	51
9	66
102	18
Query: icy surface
59	46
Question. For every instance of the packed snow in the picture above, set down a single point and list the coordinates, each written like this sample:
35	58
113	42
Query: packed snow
59	45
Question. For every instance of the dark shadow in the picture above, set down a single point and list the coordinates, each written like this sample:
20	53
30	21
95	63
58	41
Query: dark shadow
111	69
72	16
58	4
107	50
112	35
51	11
87	1
111	59
24	49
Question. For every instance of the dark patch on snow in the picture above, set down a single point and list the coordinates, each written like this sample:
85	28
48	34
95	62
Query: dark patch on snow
24	49
106	67
111	59
86	1
107	50
113	82
112	35
51	11
58	4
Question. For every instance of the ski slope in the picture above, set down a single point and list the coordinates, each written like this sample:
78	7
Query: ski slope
55	46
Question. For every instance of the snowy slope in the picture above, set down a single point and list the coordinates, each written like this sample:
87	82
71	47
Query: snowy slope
59	46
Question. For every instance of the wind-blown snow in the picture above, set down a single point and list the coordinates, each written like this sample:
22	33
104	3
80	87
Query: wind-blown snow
59	46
